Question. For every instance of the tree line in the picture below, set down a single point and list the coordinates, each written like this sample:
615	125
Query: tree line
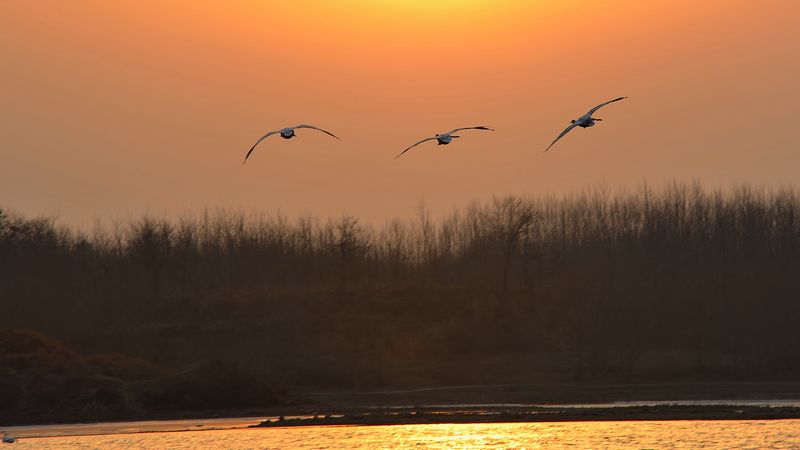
677	280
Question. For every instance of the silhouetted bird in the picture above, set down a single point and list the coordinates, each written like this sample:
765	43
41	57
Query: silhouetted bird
444	138
286	133
584	121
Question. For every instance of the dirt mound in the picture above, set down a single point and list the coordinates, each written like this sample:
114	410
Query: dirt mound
31	352
124	367
208	385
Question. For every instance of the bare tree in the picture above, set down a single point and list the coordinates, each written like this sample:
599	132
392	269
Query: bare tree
510	219
349	242
150	247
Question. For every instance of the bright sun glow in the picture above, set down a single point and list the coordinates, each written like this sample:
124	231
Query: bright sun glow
437	9
440	16
442	10
429	6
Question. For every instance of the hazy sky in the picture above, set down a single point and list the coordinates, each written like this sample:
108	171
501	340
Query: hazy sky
116	108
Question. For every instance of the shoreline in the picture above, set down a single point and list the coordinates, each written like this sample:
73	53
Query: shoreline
426	416
596	401
423	415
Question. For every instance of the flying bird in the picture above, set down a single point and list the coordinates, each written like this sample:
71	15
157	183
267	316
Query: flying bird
584	121
445	138
286	133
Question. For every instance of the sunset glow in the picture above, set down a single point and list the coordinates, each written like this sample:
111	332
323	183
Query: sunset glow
399	223
110	94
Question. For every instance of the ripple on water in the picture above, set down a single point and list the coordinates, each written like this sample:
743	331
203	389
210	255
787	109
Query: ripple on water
774	434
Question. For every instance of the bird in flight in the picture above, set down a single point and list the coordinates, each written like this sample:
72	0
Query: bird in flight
286	133
584	121
445	138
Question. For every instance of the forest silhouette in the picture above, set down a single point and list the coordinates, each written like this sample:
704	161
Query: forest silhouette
671	283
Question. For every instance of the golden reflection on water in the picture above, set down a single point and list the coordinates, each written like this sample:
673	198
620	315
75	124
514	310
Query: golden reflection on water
775	434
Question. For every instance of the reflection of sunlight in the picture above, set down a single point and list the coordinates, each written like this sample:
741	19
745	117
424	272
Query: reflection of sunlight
617	435
486	435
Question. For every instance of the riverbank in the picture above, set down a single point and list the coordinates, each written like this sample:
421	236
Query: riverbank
698	412
512	413
549	402
598	401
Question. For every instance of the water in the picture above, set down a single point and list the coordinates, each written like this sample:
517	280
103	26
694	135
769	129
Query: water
773	434
142	426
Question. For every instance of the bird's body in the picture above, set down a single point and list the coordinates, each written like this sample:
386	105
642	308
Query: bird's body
286	133
584	121
445	138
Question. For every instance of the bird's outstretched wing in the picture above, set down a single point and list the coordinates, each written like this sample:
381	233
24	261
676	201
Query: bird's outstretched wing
257	142
566	130
409	148
318	129
472	128
593	110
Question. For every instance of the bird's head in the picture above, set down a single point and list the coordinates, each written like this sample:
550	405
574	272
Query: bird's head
572	121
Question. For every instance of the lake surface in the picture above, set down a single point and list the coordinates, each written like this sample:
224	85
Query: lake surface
773	434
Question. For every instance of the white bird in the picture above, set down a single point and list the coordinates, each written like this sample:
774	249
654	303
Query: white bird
584	121
8	439
286	133
445	138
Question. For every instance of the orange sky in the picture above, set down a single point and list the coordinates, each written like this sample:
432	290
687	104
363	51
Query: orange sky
115	109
